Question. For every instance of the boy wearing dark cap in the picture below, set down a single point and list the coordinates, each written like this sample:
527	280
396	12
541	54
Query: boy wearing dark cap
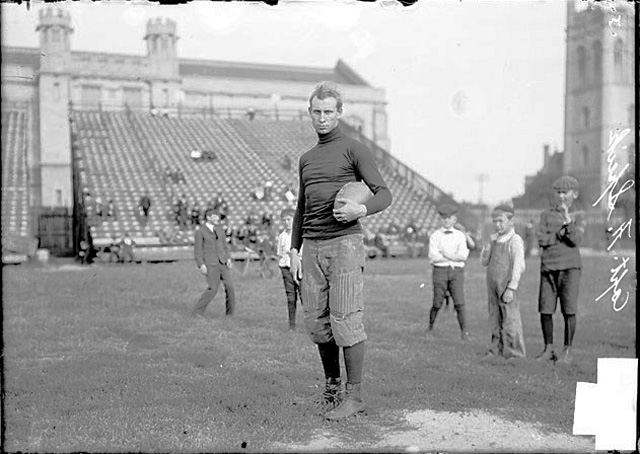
448	252
559	235
504	259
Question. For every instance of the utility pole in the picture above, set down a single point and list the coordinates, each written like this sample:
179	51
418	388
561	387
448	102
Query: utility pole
482	178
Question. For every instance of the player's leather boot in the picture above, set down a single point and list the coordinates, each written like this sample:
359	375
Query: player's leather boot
350	405
330	397
547	354
565	357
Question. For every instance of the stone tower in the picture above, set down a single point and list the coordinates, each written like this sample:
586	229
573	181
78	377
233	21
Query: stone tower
55	30
599	91
162	63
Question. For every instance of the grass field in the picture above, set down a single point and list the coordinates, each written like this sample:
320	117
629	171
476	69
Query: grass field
107	358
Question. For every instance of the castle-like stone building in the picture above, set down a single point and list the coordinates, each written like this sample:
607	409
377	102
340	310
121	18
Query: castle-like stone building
599	97
52	79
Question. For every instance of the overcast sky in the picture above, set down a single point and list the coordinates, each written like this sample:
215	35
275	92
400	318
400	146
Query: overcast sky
501	61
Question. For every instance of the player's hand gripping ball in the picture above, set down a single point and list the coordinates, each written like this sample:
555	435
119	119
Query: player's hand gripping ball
354	191
349	203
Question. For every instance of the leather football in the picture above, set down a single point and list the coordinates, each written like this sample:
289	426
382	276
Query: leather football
354	191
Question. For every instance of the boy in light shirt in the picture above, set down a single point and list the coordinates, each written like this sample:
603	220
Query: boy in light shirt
504	259
448	253
291	287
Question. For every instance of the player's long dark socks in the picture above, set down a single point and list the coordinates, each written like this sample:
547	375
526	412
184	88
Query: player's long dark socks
330	356
353	361
569	329
546	321
432	316
461	317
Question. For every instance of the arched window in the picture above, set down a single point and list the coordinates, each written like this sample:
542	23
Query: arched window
584	151
597	60
165	97
586	118
582	65
618	60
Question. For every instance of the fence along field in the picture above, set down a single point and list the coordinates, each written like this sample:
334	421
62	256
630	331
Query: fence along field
106	358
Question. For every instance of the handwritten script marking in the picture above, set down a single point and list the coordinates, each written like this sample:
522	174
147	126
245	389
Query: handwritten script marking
615	281
615	21
614	178
617	234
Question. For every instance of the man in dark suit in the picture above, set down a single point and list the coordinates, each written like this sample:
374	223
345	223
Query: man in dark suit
212	258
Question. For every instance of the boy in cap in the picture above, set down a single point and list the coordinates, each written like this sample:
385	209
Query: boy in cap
559	235
291	287
504	259
448	252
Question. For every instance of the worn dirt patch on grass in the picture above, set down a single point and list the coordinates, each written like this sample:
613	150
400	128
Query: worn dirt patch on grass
428	430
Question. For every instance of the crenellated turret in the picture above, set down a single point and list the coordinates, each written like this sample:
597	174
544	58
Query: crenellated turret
55	30
161	41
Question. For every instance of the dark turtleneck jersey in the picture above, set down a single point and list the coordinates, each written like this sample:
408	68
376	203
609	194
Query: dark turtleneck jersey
334	161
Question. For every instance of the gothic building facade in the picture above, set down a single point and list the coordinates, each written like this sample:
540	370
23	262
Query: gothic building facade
599	97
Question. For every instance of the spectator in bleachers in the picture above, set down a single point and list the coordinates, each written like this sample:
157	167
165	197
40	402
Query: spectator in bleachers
258	194
175	210
229	233
410	233
286	163
87	250
221	205
251	113
111	209
268	189
381	241
145	206
127	246
114	250
179	176
184	215
195	215
168	173
100	210
267	219
209	155
242	234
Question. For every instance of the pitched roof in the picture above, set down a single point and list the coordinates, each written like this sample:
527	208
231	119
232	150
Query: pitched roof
341	73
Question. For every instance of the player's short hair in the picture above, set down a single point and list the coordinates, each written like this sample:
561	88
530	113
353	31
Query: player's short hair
327	89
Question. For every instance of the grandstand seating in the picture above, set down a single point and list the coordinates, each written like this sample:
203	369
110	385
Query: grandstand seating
124	155
15	181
